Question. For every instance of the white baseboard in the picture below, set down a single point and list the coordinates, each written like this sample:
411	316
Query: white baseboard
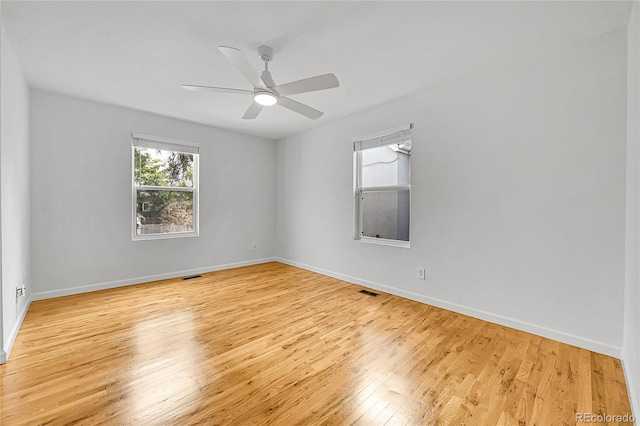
558	335
139	280
4	355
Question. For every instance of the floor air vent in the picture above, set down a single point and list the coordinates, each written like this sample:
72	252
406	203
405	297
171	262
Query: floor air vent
369	293
188	277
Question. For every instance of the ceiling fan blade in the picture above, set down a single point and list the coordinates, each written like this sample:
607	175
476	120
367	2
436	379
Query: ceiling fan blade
217	89
296	106
253	111
242	64
320	82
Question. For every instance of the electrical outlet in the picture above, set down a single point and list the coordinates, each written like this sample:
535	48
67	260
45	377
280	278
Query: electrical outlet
254	246
422	273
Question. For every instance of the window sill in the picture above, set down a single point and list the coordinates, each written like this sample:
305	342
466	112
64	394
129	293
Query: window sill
147	237
384	242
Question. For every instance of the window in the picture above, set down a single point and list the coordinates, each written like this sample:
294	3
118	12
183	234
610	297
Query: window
383	187
165	188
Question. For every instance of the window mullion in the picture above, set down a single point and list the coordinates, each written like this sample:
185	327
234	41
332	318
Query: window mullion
163	188
386	188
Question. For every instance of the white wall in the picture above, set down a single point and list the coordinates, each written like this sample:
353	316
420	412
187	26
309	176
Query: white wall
631	346
81	198
518	201
14	191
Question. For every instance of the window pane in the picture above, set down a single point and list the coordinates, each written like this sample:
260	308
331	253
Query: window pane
385	166
164	211
385	214
156	167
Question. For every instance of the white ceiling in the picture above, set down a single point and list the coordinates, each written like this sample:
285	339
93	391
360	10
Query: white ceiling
137	54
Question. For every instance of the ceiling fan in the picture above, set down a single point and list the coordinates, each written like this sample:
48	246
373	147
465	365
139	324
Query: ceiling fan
265	92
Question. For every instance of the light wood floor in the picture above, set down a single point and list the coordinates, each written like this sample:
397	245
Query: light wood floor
273	344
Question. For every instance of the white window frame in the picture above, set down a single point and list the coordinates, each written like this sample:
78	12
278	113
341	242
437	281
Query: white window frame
157	142
383	138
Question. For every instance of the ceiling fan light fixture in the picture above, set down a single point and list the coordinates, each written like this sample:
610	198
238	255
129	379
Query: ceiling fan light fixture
265	98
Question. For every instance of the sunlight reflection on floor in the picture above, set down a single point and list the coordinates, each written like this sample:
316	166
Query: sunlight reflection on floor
381	399
164	372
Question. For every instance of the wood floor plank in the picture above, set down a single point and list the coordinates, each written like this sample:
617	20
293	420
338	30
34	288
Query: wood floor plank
274	344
